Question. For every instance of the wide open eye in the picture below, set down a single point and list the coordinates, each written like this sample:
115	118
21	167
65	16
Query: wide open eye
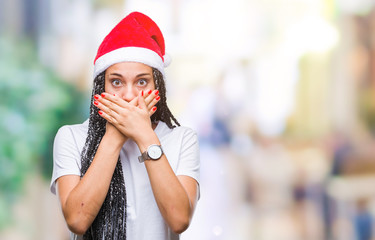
142	82
116	82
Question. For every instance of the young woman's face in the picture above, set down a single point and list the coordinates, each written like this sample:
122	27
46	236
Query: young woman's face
126	79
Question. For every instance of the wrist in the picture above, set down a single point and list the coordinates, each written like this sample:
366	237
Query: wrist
115	140
146	139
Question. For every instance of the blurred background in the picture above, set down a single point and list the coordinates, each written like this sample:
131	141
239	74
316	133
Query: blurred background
281	93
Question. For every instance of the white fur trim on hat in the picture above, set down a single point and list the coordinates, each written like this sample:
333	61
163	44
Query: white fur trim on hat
129	54
167	60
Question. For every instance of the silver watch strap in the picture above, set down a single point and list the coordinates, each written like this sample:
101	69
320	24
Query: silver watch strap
143	157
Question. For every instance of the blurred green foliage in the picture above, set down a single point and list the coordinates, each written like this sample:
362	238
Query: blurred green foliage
34	103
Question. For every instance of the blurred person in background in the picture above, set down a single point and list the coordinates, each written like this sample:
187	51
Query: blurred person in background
130	171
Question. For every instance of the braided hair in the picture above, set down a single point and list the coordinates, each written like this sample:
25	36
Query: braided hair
163	114
110	223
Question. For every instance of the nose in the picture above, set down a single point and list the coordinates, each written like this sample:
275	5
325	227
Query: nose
129	93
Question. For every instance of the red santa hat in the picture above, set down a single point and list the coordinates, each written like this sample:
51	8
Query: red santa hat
136	38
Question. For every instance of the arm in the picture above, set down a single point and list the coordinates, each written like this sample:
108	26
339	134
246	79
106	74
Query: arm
81	199
176	196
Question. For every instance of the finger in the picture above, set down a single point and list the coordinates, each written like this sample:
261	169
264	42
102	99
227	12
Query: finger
105	109
113	98
107	117
153	102
151	96
146	93
134	101
111	102
152	111
141	101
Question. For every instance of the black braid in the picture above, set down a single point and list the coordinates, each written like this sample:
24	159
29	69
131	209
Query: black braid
162	113
110	223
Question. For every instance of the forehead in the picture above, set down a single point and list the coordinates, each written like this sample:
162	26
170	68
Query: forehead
129	68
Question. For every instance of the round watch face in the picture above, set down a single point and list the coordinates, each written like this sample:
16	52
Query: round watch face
154	152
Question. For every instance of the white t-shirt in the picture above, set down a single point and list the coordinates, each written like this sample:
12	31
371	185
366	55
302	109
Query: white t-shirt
144	220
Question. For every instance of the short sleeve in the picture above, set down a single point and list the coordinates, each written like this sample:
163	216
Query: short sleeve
66	156
189	162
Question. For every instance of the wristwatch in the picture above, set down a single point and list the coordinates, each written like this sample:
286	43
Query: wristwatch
153	152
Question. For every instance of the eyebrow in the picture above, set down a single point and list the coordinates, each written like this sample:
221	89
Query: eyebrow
116	74
139	75
143	74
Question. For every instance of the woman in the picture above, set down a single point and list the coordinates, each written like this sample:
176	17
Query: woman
128	172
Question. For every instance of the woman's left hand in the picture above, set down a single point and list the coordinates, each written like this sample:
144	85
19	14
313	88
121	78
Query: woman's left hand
131	119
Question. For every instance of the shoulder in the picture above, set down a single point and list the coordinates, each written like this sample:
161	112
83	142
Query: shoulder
163	130
187	133
75	130
179	135
71	135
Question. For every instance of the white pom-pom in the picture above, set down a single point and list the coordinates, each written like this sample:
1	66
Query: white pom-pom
167	60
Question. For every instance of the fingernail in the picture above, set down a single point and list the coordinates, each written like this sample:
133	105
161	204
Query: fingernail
149	92
154	109
96	103
103	95
157	98
142	93
156	92
96	97
100	112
